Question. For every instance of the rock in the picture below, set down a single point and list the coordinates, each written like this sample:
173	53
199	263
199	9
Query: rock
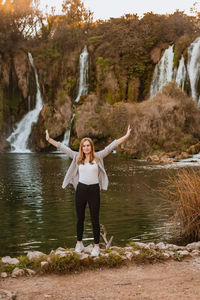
115	247
172	247
7	295
193	246
3	275
183	253
195	252
44	264
61	253
10	261
128	248
88	249
152	245
166	255
129	255
30	272
185	155
153	158
136	253
17	272
35	254
105	255
161	246
84	258
142	245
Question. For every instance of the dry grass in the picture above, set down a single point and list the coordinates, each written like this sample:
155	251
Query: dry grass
182	191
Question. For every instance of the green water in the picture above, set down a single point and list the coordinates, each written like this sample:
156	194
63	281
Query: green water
37	214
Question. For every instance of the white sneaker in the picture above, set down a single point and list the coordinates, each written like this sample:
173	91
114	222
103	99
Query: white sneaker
95	251
79	247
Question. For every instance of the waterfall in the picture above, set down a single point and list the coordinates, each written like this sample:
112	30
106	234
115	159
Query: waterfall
83	75
66	139
163	72
181	73
19	138
193	67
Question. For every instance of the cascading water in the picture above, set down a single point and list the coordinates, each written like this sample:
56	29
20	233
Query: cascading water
66	139
19	138
83	75
193	67
181	73
163	72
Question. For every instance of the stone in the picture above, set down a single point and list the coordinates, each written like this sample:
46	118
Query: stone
166	255
3	275
136	253
129	255
105	255
30	272
142	245
44	264
195	253
128	248
61	253
183	253
35	254
88	249
7	295
114	252
161	246
152	245
193	246
17	272
10	261
84	258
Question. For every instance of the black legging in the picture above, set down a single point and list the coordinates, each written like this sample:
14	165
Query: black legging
91	194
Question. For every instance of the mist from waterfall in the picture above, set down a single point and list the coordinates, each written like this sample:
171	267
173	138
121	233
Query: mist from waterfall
83	74
19	138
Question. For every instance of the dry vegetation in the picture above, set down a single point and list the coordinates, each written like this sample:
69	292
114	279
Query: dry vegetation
182	191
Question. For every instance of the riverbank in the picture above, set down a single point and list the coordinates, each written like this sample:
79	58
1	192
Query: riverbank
169	280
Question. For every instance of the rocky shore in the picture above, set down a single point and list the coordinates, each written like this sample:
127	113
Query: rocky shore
63	261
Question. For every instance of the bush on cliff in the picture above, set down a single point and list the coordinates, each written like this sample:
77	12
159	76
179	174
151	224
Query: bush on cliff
168	122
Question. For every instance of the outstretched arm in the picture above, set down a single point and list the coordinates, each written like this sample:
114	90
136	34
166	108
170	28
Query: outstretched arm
125	137
60	146
50	140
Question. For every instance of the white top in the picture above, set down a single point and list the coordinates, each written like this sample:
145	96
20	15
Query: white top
88	173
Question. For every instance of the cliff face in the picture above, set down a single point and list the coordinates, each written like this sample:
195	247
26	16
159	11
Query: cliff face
121	63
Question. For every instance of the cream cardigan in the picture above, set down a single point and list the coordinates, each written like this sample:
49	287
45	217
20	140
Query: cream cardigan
72	175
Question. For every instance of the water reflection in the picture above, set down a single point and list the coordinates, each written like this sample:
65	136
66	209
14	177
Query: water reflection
37	214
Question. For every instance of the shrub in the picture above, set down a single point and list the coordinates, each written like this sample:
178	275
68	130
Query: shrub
182	191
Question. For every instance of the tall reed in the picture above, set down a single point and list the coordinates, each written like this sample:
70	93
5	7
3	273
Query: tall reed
182	191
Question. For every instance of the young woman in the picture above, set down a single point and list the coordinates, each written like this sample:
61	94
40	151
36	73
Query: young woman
88	176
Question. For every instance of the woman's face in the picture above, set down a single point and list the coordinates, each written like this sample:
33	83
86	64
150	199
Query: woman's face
87	147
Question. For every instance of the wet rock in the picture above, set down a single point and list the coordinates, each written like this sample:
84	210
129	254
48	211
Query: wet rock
35	254
17	272
7	295
30	272
3	275
10	261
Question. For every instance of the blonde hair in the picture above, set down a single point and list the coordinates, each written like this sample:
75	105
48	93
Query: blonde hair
81	155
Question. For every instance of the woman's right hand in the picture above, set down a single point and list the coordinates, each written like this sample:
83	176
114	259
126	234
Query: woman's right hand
47	135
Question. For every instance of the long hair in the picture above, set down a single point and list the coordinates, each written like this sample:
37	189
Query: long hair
81	155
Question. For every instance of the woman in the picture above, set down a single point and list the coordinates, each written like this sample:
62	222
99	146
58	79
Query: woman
88	176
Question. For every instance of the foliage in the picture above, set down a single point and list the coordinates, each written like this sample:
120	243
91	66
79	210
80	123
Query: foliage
182	192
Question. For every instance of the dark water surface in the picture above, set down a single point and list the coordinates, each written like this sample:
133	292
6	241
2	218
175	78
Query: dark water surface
37	214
